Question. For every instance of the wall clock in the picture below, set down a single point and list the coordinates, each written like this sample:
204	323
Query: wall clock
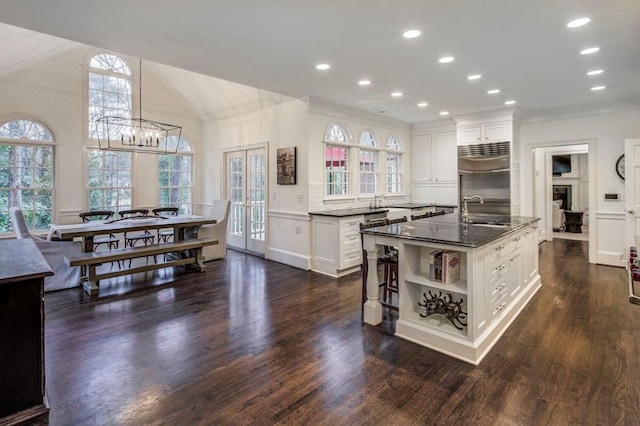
620	167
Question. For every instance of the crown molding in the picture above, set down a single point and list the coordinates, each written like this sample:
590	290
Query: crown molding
580	111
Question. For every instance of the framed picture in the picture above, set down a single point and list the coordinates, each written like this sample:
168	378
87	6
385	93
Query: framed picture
286	164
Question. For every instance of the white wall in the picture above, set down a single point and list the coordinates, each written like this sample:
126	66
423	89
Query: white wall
609	131
52	92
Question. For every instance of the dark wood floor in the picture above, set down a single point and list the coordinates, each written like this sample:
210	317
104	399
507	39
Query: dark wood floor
257	342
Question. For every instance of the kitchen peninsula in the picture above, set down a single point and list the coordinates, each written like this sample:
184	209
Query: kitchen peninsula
498	274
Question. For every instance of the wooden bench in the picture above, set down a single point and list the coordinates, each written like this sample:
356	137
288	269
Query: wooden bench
177	256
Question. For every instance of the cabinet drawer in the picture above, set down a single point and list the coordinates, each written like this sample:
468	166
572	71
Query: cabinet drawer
498	270
497	291
351	241
497	250
352	224
497	309
515	242
351	258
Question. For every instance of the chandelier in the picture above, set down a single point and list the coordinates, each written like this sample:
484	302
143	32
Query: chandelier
117	133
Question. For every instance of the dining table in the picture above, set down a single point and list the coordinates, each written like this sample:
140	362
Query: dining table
181	225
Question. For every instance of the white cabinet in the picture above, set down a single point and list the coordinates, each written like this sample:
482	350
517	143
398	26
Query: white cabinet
490	132
531	252
336	244
434	158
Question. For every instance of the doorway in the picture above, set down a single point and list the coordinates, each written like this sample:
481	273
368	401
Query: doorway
246	188
571	191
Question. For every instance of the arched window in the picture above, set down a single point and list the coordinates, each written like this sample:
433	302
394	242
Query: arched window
336	160
368	163
394	169
109	90
26	173
175	176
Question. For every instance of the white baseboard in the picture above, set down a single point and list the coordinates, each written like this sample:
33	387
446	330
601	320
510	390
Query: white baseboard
289	258
610	258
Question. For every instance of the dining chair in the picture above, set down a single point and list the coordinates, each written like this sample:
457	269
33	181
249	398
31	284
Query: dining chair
220	212
164	235
111	241
130	239
53	252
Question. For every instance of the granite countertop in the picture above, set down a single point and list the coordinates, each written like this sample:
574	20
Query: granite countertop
449	229
357	211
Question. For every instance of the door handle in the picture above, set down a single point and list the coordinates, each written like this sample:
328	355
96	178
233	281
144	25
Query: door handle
631	211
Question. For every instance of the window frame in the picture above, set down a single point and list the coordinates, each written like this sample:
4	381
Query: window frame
330	141
398	153
104	187
31	143
184	150
368	147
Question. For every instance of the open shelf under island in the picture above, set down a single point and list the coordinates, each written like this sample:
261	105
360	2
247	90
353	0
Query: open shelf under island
498	275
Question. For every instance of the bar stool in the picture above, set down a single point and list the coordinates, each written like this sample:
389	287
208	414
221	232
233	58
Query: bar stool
420	216
165	234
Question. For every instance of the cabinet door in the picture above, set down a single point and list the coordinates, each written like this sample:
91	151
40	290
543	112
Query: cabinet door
531	253
496	132
422	158
515	272
445	154
470	134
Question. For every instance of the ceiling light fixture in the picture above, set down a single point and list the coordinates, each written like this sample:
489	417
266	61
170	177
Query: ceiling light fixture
364	82
493	91
596	88
446	59
422	105
511	102
578	22
444	112
411	34
323	67
589	51
474	77
396	94
595	72
117	133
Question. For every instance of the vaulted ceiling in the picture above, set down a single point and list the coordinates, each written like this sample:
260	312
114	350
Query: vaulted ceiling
523	48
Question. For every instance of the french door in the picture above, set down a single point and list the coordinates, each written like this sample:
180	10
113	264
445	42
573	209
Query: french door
246	176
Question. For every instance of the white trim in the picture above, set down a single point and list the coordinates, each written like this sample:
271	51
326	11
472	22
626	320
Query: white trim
610	215
611	258
70	213
257	145
580	111
289	258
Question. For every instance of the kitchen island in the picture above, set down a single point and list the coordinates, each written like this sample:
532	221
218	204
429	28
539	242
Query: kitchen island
336	247
497	258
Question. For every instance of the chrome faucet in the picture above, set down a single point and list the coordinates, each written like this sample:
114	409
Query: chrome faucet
377	201
465	208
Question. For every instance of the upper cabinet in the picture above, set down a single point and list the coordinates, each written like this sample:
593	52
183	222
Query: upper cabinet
480	133
434	158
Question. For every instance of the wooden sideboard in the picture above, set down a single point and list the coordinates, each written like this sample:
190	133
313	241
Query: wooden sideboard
22	385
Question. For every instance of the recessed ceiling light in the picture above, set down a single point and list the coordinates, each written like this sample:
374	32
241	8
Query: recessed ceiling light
364	82
510	102
493	91
578	22
589	51
474	77
595	72
446	59
444	112
422	105
323	67
411	34
596	88
396	94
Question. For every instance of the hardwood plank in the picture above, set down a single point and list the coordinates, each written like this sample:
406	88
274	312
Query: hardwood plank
256	342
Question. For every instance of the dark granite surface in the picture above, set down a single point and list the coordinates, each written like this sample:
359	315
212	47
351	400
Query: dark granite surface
367	211
449	229
349	212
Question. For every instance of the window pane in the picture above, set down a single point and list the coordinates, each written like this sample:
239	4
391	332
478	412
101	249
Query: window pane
109	178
